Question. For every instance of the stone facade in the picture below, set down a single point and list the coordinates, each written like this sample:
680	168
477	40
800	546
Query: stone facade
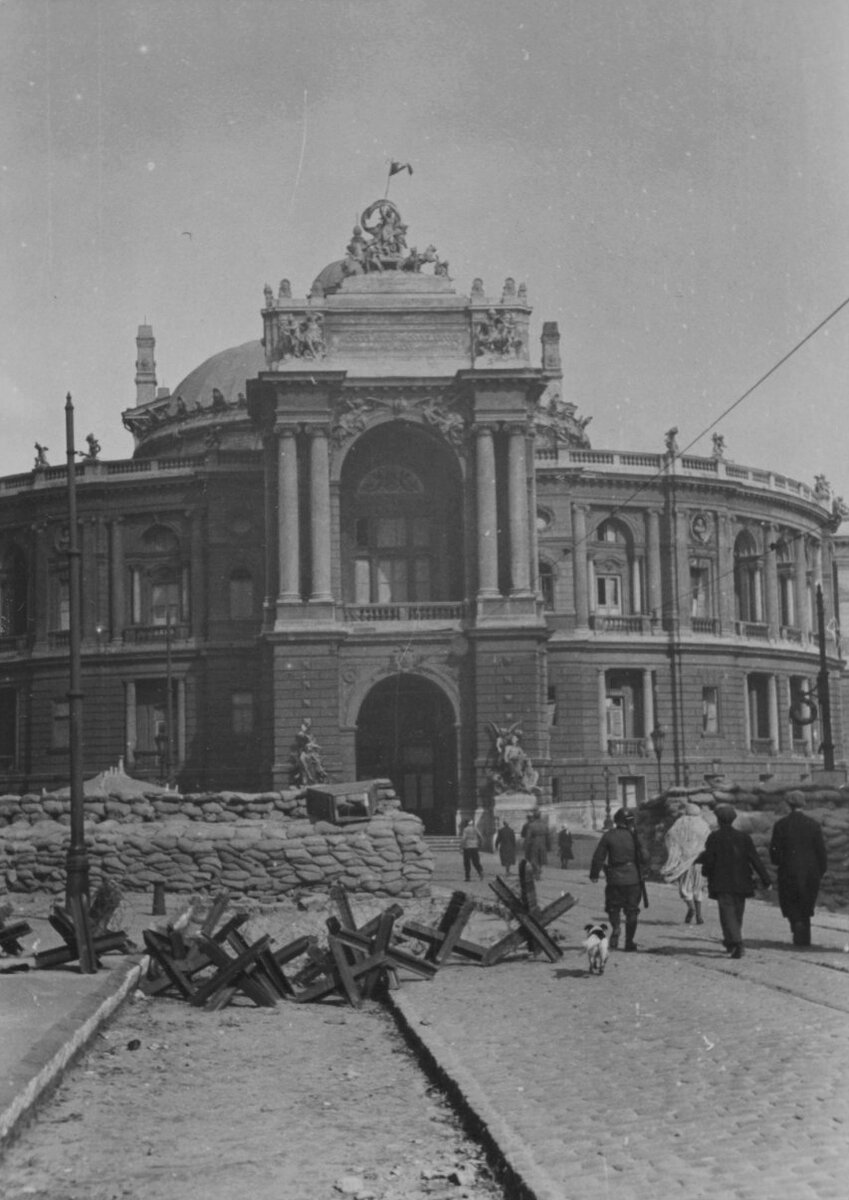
385	517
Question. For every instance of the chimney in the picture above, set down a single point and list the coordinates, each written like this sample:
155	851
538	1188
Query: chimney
551	350
145	366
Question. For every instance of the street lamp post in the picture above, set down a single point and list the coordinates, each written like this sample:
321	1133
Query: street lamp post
657	736
77	881
608	819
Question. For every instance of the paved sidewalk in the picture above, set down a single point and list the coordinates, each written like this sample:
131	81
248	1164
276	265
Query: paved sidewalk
48	1016
678	1072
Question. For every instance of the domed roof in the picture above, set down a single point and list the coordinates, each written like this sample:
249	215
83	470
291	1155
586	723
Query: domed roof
227	371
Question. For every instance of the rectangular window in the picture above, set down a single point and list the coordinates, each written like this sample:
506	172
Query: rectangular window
362	581
608	594
243	712
391	580
61	733
63	604
552	706
164	603
8	727
421	588
615	716
699	601
710	711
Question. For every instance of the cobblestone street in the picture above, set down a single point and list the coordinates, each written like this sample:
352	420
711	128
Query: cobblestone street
678	1071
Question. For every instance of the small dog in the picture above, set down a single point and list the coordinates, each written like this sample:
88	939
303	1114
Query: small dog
597	947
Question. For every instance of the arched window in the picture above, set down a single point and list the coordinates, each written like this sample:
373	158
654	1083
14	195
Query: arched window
158	591
394	538
241	595
13	593
748	578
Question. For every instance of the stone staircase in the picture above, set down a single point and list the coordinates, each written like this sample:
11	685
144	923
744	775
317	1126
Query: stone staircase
442	842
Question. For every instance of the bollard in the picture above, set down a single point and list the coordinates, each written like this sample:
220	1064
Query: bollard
159	899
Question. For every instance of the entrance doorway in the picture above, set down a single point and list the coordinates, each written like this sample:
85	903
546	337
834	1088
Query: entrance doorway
405	733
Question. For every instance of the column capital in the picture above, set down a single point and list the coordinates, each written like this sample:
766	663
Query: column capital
484	428
286	429
315	430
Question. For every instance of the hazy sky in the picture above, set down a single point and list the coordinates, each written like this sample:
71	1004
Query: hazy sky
670	178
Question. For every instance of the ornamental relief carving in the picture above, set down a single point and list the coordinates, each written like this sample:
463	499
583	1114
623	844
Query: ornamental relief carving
351	417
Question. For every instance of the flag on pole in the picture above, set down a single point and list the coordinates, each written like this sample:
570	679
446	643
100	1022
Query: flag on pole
395	167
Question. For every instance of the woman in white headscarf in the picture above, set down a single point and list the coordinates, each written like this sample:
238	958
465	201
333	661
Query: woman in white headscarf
685	840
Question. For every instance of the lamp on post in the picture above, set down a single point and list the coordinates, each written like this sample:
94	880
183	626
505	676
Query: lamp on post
608	819
657	735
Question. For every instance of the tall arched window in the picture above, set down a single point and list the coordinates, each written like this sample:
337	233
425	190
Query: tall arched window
13	593
748	578
158	579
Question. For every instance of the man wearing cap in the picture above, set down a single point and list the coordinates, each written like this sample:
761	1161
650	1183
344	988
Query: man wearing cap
728	860
798	850
621	857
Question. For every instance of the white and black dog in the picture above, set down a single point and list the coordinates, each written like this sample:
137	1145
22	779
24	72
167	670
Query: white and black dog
597	947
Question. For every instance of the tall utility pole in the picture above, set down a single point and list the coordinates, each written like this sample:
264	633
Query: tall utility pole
76	888
822	687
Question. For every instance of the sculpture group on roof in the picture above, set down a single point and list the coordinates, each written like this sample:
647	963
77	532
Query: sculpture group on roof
176	409
300	337
557	418
499	334
385	248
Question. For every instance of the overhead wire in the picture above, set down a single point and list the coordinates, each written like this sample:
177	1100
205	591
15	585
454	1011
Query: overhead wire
621	507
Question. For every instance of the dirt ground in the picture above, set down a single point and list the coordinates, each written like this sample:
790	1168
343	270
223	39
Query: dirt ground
298	1102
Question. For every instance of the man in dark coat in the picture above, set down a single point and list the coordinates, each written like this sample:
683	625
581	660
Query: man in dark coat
621	857
798	850
505	844
728	860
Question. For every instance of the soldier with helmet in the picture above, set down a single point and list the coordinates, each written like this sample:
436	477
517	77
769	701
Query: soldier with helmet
622	859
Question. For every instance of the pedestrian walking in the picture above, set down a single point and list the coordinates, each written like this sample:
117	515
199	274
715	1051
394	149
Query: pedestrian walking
798	851
728	861
470	843
564	845
536	836
621	857
505	844
685	840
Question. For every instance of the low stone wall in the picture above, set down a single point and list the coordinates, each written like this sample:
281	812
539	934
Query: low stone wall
757	811
253	845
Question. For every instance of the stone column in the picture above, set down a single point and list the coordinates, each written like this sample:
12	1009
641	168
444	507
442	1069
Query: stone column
487	515
602	710
517	492
725	572
747	715
117	601
648	707
130	722
579	541
774	731
684	605
40	597
320	514
655	594
197	586
773	613
800	581
289	541
269	450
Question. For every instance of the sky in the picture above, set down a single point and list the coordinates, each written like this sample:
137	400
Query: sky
669	177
